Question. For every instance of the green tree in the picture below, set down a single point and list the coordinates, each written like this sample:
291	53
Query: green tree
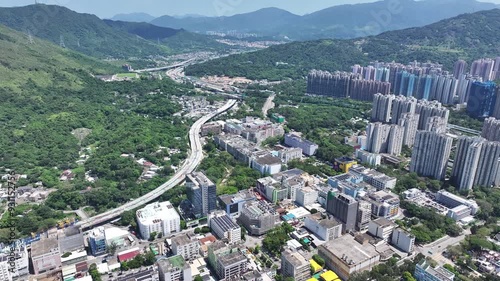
319	260
94	273
111	249
152	236
149	259
198	278
408	276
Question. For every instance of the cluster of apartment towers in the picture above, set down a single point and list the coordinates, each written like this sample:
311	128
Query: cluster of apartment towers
422	126
426	81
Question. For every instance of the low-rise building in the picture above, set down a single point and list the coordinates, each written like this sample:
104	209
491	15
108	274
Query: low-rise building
174	269
215	250
74	257
294	265
185	246
403	240
116	236
287	154
233	204
158	218
306	196
265	163
128	254
295	140
17	262
459	212
71	240
384	204
369	158
451	200
224	227
345	256
425	272
377	179
258	217
381	228
45	256
253	129
326	229
344	164
232	265
212	128
4	268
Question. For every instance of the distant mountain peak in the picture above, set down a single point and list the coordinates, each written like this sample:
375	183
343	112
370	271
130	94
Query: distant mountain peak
134	17
333	22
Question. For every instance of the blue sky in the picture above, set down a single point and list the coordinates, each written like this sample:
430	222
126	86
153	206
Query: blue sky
108	8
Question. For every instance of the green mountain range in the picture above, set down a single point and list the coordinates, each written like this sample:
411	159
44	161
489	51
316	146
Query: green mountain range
342	21
45	64
468	36
92	36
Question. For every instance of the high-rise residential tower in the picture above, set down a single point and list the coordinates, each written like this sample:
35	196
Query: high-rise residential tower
431	153
409	122
460	68
491	129
382	107
482	99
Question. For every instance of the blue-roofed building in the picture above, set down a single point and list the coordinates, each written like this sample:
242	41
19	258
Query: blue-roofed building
482	99
233	203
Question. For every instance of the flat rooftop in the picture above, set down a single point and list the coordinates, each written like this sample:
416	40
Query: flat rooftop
156	212
351	250
383	222
172	263
181	240
243	195
295	258
200	178
232	258
268	160
329	223
44	246
225	223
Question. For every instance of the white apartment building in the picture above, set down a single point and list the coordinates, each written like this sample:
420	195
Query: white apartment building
184	246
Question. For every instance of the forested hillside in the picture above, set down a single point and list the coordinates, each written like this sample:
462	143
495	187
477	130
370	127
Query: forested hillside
54	110
468	37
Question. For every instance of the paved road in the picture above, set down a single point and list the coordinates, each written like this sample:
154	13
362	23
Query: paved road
435	250
80	213
268	105
184	63
194	159
463	129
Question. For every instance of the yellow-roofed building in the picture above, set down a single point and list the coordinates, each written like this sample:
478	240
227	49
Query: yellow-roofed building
315	266
312	279
329	276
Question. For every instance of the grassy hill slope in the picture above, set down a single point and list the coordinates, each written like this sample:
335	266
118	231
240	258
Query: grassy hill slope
80	32
42	63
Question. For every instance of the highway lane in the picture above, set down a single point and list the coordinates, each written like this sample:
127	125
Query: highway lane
184	63
189	166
